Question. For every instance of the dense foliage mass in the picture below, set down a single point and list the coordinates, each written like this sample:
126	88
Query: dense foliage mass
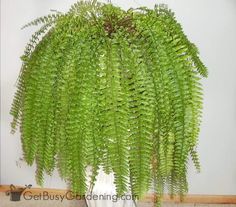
100	86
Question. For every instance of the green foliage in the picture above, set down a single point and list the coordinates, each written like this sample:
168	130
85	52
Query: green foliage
100	86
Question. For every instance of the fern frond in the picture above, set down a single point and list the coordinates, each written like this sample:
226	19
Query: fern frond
51	18
140	96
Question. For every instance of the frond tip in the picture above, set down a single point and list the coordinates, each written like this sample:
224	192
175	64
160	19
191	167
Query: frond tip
104	87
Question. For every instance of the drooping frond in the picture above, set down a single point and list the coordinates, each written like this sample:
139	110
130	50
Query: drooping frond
104	87
43	20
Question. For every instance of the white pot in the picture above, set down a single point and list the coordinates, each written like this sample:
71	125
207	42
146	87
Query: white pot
104	193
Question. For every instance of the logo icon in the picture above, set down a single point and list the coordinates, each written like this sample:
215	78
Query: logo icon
15	192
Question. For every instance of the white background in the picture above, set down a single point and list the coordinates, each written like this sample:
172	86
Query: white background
210	24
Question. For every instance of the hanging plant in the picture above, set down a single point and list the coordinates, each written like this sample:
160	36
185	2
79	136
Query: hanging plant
100	86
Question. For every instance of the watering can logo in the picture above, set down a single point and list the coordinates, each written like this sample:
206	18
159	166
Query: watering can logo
15	192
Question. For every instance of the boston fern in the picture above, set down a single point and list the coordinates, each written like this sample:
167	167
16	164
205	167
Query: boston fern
104	87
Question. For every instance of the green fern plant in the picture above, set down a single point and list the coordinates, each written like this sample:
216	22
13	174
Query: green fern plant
100	86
